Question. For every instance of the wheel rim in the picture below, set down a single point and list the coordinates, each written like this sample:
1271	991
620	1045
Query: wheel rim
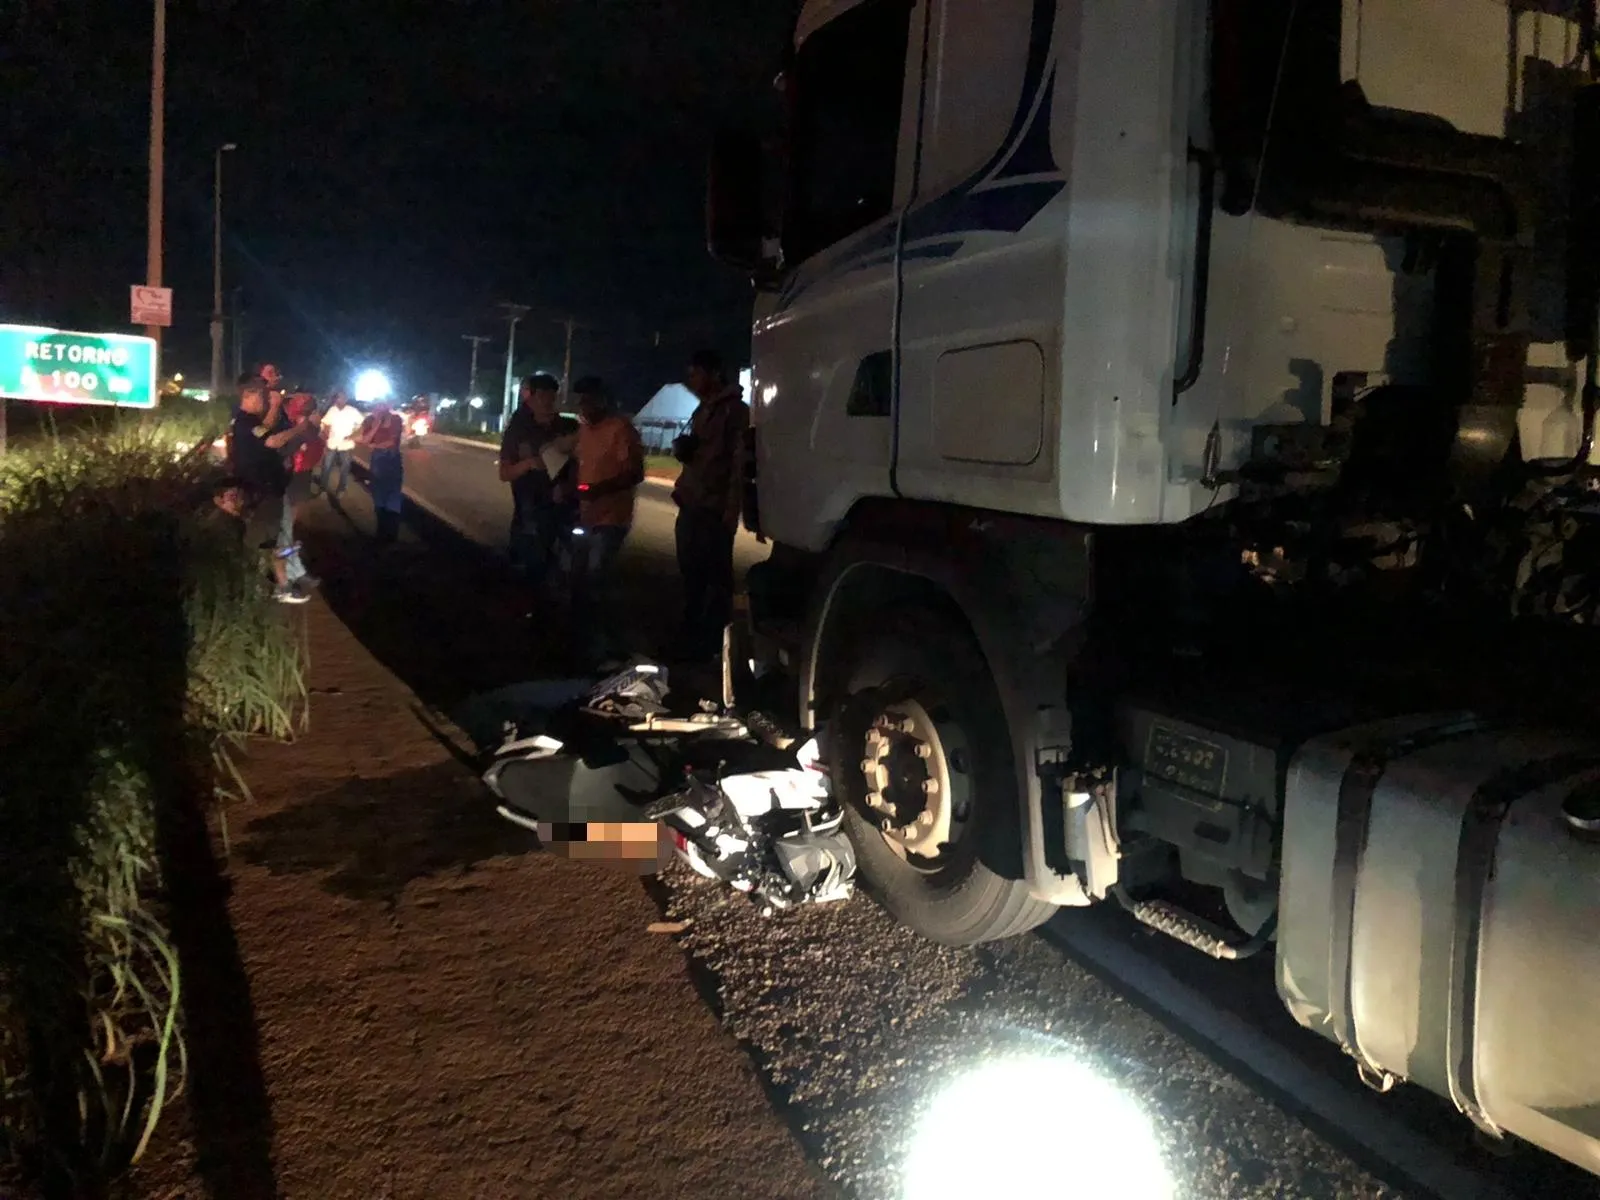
916	768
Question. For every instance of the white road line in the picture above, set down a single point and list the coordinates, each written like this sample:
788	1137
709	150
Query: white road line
461	441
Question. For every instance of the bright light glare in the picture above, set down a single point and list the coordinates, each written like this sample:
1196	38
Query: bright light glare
372	386
477	402
1031	1127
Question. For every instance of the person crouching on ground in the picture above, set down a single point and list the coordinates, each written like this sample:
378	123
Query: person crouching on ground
610	468
340	424
256	452
535	459
383	432
710	499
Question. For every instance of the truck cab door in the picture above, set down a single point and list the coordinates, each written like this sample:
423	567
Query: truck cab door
981	257
824	343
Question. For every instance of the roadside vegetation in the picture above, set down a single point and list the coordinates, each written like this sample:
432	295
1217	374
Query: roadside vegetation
138	647
662	466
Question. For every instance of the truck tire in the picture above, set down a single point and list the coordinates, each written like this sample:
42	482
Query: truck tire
918	704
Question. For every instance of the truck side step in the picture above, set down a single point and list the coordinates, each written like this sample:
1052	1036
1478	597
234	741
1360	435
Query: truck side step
1179	923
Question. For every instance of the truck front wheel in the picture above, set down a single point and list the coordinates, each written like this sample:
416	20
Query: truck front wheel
922	757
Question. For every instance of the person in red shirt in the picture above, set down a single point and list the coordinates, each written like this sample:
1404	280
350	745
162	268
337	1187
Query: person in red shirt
383	431
610	468
301	411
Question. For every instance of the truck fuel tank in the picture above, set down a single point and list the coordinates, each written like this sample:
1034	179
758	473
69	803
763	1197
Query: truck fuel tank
1439	907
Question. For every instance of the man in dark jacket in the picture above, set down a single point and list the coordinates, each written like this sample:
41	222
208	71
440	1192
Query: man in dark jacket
258	438
536	459
709	496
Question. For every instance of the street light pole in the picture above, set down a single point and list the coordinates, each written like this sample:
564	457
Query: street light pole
158	105
216	274
516	312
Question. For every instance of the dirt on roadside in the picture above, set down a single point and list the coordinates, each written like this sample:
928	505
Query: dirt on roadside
435	1009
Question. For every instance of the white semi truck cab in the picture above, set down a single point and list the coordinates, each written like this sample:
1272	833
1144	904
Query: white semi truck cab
1174	421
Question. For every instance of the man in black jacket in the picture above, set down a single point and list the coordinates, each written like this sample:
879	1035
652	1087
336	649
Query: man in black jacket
710	498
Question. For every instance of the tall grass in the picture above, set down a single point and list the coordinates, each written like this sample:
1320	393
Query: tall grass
138	643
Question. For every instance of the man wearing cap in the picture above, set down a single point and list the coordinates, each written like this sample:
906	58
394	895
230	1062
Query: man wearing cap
610	468
710	498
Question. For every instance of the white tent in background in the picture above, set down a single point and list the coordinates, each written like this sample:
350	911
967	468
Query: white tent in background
665	417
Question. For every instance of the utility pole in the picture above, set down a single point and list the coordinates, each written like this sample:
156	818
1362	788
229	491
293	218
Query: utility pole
571	326
508	399
216	273
472	383
238	333
566	364
158	135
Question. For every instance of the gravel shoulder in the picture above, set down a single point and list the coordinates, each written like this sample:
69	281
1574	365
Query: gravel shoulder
444	1013
440	1011
864	1031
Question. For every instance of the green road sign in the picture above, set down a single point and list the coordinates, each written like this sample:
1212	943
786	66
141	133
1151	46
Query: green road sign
63	367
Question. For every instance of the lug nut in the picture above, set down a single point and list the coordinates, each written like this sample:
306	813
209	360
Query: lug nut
930	787
907	725
925	819
875	800
924	751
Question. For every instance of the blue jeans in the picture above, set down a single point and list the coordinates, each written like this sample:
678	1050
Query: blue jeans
594	558
388	492
336	462
388	480
540	539
293	569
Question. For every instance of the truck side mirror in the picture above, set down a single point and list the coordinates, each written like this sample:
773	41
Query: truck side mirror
736	232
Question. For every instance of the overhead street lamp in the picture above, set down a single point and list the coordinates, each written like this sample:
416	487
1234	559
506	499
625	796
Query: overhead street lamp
216	273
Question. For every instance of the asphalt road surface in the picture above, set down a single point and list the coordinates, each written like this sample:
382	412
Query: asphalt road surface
1097	1059
459	483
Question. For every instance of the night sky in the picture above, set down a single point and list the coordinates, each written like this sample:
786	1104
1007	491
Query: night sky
402	168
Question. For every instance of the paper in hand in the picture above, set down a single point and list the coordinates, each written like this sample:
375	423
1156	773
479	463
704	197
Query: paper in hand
554	458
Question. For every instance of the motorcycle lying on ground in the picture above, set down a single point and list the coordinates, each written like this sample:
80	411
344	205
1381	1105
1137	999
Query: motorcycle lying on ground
744	804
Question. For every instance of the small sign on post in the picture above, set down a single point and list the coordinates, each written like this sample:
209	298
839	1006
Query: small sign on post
152	305
64	367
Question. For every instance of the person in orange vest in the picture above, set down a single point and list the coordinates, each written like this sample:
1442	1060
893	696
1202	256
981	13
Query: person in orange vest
610	468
